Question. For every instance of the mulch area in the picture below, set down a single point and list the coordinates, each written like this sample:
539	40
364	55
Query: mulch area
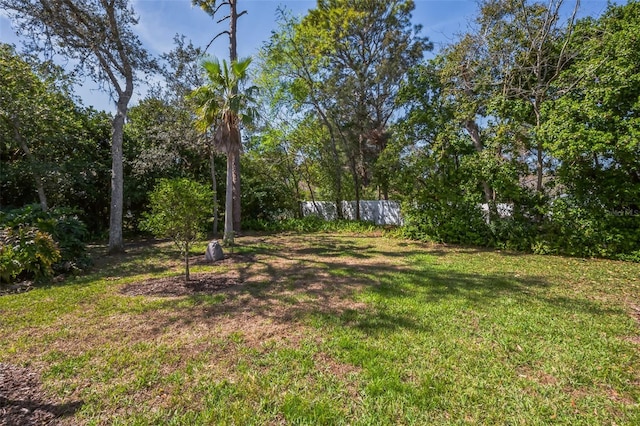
198	284
177	286
24	403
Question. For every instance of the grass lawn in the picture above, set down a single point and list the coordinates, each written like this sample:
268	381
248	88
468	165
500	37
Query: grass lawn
338	329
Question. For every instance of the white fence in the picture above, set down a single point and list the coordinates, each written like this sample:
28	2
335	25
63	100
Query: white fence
379	212
503	210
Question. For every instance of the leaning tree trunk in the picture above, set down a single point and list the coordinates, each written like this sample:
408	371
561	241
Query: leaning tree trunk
474	132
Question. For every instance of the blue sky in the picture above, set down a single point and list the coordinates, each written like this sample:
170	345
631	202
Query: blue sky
160	20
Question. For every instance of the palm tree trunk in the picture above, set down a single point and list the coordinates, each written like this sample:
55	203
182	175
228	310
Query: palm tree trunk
236	190
214	184
228	213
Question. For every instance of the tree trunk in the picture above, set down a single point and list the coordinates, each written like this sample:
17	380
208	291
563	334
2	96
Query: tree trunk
214	184
539	168
236	190
336	160
233	56
307	180
186	263
337	180
540	153
233	25
116	242
298	199
356	185
228	213
33	163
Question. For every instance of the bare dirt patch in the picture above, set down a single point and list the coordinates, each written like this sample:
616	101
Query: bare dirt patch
538	376
635	313
177	286
23	402
265	294
198	284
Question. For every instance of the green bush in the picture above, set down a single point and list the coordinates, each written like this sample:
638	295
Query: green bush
27	252
179	210
589	231
62	224
565	229
446	222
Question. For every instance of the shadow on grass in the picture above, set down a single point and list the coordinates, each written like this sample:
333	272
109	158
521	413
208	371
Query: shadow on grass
16	412
132	261
325	276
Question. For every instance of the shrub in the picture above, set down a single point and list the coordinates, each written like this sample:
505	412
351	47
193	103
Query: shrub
567	228
62	224
450	222
27	252
576	230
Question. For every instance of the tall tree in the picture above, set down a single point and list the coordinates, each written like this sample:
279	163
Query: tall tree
465	74
212	8
530	45
371	45
497	78
594	131
98	34
291	72
224	107
345	61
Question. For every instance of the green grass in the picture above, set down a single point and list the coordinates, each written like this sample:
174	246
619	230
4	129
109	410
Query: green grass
340	329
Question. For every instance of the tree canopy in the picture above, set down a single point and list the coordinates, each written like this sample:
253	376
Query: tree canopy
99	35
520	133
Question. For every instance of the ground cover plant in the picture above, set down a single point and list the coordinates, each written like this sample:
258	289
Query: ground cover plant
328	328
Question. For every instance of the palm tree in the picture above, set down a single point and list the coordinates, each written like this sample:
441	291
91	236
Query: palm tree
223	106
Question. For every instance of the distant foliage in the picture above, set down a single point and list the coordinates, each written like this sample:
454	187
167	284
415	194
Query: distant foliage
566	229
539	114
590	232
308	224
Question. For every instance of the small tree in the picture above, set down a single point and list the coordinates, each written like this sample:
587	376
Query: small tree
178	209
